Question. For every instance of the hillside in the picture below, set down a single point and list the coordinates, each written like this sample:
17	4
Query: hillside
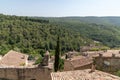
34	36
97	20
102	29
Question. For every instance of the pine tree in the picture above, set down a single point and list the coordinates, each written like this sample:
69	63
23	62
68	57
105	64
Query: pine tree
57	56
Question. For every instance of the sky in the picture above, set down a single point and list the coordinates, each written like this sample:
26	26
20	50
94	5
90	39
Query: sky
60	8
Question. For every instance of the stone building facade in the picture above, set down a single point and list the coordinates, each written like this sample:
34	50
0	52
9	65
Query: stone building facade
108	62
38	72
25	73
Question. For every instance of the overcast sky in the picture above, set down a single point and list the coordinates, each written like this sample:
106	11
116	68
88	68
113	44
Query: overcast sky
57	8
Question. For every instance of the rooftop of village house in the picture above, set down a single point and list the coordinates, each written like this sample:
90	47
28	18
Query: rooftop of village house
110	53
13	58
72	53
78	61
107	53
83	75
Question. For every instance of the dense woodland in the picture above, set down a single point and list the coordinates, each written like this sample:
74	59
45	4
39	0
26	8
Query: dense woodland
107	35
34	35
103	29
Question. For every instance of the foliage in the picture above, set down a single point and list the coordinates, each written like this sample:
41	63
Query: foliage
108	35
61	64
104	48
3	49
38	61
57	56
99	48
94	49
22	64
52	52
35	35
118	73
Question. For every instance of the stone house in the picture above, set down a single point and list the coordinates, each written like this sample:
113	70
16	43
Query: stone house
14	59
77	63
108	61
41	72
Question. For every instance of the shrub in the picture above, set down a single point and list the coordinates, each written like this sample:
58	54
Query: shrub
61	64
22	64
94	49
118	73
38	61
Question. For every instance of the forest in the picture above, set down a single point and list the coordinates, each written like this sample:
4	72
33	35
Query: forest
35	35
103	29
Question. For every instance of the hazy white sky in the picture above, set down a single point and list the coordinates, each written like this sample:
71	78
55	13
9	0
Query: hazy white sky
60	7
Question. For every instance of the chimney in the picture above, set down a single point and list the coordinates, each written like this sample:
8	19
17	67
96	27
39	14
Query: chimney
92	68
45	60
100	55
113	55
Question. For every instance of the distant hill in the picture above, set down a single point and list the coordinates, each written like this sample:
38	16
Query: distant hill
36	35
103	29
98	20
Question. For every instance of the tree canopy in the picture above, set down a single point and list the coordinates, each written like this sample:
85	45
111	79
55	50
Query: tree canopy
34	35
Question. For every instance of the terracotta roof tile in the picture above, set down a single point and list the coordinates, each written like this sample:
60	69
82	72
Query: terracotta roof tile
110	53
13	58
107	53
80	61
83	75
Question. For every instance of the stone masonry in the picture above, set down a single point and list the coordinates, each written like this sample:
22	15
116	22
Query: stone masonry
25	73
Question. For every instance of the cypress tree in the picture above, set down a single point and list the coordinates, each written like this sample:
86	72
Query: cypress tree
57	56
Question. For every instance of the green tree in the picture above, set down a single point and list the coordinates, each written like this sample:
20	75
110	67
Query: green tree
57	56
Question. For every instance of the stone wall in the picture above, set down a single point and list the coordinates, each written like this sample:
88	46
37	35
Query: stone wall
108	64
25	73
68	66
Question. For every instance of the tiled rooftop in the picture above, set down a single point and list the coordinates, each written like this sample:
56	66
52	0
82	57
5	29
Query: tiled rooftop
108	53
78	61
13	58
83	75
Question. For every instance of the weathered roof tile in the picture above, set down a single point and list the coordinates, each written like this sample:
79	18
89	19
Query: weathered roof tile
13	58
83	75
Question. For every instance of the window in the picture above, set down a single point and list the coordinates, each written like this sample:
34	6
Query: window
107	63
